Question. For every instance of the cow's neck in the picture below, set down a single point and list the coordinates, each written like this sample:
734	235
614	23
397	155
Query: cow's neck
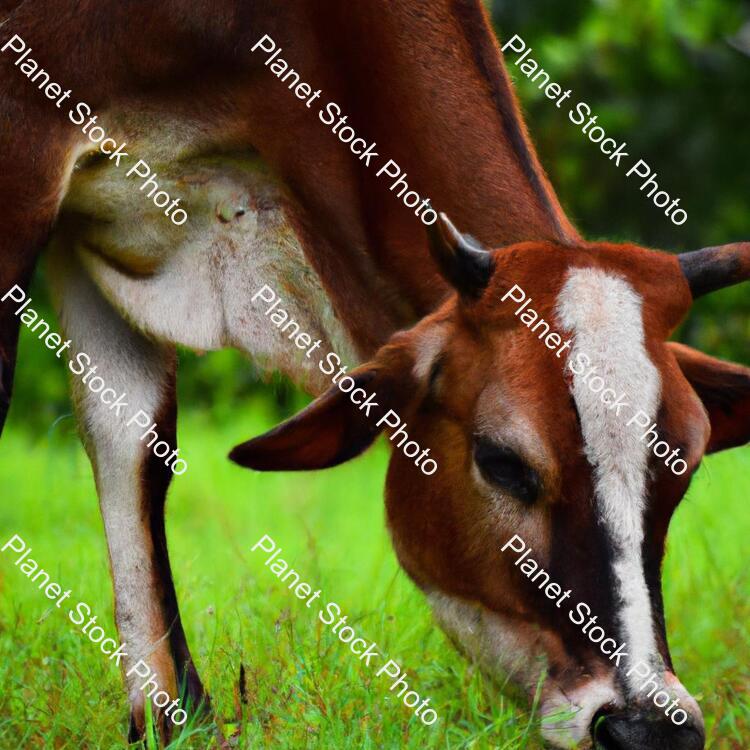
429	86
423	80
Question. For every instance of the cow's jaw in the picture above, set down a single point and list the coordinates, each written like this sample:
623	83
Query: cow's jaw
516	657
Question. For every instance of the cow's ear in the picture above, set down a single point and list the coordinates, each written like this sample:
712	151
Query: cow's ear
334	428
724	388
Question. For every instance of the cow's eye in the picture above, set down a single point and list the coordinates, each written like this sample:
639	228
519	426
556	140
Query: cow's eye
503	467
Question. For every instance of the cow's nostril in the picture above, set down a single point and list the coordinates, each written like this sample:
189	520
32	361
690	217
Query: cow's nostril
638	731
603	739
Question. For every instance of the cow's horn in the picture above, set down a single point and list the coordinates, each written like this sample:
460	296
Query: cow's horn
461	259
714	268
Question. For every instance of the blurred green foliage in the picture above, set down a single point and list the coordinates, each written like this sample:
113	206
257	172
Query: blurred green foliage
670	77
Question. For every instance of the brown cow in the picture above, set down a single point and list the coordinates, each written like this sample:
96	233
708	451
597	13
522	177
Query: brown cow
522	446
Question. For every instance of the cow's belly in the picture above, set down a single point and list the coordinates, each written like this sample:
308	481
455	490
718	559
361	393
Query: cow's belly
194	284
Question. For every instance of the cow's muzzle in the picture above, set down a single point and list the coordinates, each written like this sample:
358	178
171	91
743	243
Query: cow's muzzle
638	730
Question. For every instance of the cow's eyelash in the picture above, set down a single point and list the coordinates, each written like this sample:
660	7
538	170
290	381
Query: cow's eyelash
435	371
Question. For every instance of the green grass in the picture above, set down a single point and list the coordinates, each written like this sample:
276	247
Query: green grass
304	688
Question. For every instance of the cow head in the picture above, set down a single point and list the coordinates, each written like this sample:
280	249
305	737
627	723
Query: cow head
560	461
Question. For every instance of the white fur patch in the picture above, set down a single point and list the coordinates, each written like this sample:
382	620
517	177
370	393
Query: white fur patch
567	716
429	346
193	285
604	314
495	642
129	364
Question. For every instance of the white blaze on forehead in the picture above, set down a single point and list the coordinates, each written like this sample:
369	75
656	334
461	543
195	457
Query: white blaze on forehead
604	314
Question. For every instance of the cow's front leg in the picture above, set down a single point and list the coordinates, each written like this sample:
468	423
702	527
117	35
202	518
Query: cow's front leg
124	393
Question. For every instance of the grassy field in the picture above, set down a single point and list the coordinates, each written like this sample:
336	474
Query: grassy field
304	688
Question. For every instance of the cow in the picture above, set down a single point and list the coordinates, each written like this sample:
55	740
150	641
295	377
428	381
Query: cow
525	450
